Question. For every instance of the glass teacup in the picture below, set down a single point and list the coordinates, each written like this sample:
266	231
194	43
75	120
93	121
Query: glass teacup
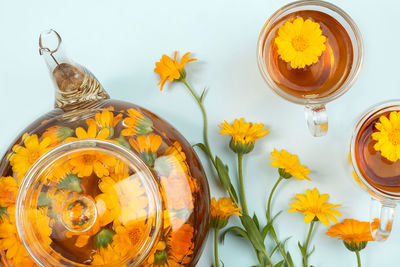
375	167
310	53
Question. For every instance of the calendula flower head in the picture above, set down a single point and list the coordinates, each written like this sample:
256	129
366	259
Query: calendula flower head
388	136
147	146
355	234
222	210
300	42
57	134
314	207
106	119
288	165
8	191
136	123
24	156
171	70
244	134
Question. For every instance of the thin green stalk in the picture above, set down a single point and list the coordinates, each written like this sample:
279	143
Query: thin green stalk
216	258
205	123
241	184
270	198
305	254
272	231
358	258
268	258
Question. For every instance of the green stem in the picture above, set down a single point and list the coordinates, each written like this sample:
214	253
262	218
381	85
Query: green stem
305	254
216	258
358	258
270	198
271	264
205	123
272	231
205	130
241	185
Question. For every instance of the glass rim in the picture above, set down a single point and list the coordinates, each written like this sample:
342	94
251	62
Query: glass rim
59	151
356	68
366	115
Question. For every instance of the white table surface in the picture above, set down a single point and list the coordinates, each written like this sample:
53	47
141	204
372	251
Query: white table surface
120	41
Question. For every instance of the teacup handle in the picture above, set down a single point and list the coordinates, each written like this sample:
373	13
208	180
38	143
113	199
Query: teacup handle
317	119
383	210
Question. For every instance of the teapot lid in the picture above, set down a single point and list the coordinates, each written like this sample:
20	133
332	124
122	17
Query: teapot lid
114	211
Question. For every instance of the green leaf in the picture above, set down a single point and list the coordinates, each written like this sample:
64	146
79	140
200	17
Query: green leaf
71	182
202	147
255	220
279	264
232	192
253	232
260	258
103	238
3	212
313	249
235	230
203	94
223	173
43	200
269	225
289	258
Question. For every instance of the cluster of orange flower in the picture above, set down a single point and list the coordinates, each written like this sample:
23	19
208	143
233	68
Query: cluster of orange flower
123	216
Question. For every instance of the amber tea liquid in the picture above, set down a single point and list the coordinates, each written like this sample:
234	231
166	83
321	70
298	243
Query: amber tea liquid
320	79
379	172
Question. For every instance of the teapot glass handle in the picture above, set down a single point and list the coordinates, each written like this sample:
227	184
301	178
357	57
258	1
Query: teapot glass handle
381	218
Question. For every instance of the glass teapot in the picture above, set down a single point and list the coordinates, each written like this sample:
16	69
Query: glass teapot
99	182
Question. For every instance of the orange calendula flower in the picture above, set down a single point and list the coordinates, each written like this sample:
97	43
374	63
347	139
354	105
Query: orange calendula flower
8	191
172	70
222	210
173	184
57	134
244	134
106	119
89	162
107	256
25	156
172	162
355	234
289	165
314	207
136	124
147	146
300	42
92	132
388	136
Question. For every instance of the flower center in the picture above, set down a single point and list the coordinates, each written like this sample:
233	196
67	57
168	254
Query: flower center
394	137
88	159
33	157
300	43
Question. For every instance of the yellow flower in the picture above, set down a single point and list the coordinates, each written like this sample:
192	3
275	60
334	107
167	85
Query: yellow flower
92	132
25	156
300	42
244	135
171	70
222	210
106	119
312	205
147	146
8	191
388	136
172	162
106	256
136	123
355	234
88	162
57	134
289	165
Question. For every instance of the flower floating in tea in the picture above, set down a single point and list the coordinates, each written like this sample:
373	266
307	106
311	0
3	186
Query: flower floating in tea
388	136
300	42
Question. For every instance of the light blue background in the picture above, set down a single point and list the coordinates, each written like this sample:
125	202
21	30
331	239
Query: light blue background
120	41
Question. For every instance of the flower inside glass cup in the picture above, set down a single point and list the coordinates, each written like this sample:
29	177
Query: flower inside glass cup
309	54
377	151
